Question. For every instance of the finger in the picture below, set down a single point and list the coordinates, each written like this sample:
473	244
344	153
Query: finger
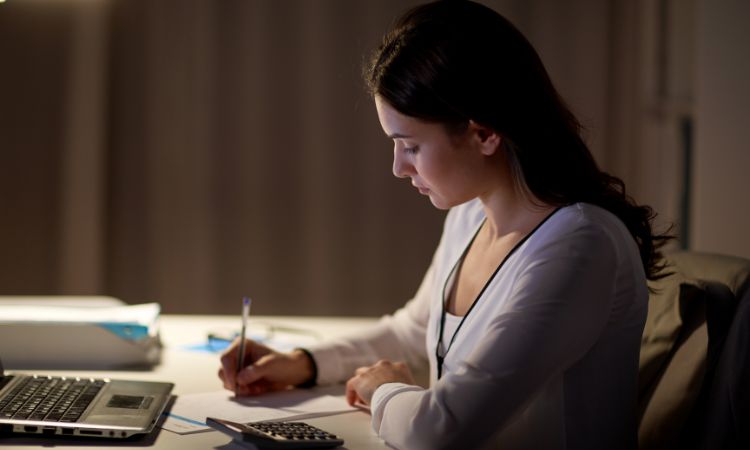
258	370
229	360
230	380
252	352
250	375
229	367
222	377
227	378
351	392
266	370
383	362
227	382
361	370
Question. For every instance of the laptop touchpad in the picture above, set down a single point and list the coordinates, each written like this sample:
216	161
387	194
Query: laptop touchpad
130	401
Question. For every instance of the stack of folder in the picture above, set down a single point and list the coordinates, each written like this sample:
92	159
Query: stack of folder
91	333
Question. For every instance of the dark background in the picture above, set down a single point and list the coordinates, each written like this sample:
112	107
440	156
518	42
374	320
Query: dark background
192	152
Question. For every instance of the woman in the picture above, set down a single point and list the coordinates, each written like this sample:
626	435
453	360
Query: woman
532	310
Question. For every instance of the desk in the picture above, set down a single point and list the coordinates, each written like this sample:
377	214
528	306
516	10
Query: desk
194	372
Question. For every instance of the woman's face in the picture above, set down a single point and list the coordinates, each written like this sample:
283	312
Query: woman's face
447	168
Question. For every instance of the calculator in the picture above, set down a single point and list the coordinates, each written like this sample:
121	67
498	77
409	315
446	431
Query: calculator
276	435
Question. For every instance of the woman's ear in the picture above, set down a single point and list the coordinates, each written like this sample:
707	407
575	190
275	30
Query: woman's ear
486	138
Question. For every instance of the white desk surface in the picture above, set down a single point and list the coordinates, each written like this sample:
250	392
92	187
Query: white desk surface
194	372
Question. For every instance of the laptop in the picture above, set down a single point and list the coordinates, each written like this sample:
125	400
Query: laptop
73	406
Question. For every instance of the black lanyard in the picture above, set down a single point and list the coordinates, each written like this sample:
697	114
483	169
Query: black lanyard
440	358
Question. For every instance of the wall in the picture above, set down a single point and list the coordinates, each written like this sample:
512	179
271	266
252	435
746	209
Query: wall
33	82
191	152
721	190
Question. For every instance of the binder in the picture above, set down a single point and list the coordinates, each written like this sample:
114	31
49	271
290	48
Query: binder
78	333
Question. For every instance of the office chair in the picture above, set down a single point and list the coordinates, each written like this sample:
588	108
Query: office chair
694	375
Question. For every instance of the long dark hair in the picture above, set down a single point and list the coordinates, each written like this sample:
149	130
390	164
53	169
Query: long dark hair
453	61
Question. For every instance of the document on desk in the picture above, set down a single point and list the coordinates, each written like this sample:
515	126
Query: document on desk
189	412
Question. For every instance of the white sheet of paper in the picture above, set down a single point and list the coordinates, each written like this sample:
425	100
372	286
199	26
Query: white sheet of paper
189	412
143	314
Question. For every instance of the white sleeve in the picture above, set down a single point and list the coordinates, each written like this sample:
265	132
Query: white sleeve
397	337
558	307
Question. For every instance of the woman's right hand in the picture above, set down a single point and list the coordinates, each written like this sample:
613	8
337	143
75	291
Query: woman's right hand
265	369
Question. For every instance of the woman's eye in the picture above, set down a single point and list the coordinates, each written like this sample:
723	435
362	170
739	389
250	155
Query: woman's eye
411	150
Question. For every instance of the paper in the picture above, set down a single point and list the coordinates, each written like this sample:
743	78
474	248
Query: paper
189	412
87	301
144	314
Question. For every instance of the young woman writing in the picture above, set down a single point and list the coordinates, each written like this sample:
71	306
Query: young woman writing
531	313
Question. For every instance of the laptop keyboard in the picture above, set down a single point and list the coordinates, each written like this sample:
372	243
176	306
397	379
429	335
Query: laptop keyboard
56	399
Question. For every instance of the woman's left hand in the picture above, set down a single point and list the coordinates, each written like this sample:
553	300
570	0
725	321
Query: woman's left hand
361	387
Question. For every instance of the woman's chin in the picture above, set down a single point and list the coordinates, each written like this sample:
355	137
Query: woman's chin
439	203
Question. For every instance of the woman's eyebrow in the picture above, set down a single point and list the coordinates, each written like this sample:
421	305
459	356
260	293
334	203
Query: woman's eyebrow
398	136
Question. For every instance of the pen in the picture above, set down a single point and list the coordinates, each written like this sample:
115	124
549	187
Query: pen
246	301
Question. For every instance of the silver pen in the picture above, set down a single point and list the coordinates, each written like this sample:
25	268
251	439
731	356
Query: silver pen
246	302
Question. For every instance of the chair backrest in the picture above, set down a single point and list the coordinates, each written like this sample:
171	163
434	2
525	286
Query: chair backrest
691	351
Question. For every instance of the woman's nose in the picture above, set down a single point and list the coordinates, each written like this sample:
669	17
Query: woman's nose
401	167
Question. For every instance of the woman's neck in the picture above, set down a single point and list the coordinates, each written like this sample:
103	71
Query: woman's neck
508	209
510	212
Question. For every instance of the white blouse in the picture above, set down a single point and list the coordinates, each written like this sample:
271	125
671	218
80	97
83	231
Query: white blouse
546	359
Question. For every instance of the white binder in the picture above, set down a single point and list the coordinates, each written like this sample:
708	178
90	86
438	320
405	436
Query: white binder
85	333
